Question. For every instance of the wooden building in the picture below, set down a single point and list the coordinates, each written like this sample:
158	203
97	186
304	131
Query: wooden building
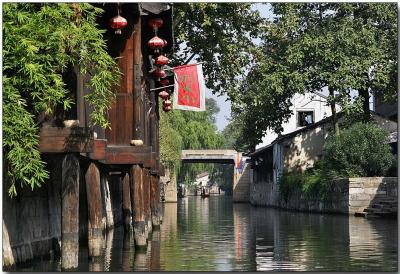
99	178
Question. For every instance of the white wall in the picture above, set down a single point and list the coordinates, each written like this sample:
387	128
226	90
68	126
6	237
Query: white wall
308	101
202	181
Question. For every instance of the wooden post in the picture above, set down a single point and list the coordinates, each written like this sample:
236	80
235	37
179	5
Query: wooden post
106	201
70	212
127	251
155	201
126	203
147	211
92	178
138	197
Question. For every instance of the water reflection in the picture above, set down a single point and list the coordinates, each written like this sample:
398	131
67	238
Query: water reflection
214	234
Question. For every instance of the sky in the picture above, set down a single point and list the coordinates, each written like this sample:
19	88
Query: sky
222	118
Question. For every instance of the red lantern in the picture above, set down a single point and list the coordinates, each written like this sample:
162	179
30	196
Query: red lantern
166	108
164	82
167	103
117	23
156	43
162	60
163	95
156	23
159	73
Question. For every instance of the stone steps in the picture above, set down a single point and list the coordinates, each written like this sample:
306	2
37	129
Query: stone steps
382	206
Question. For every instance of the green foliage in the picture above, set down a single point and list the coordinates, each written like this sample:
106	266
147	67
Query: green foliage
188	130
289	183
220	35
170	143
360	150
40	43
309	46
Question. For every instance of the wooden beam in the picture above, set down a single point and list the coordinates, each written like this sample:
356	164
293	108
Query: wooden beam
128	155
99	149
58	140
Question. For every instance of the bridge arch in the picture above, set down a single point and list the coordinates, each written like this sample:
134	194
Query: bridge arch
224	156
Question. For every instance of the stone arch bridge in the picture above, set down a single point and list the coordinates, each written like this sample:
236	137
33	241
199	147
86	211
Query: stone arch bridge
241	172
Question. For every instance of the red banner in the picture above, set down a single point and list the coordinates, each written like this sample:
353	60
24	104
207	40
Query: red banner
189	93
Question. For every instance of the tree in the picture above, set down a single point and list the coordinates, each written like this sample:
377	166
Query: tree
188	130
220	35
310	46
41	42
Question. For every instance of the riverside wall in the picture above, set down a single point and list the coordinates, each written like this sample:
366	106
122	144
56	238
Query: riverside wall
347	196
32	219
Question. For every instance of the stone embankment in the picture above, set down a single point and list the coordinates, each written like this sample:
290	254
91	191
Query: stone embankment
364	196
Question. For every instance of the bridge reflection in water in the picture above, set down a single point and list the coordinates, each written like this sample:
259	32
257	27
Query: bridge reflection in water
216	235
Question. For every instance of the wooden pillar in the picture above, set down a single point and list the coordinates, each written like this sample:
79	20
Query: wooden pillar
147	211
70	212
126	203
127	251
106	201
138	209
138	118
155	201
93	191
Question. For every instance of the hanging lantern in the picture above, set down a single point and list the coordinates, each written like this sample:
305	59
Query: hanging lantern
156	23
162	60
156	43
164	82
159	73
167	103
163	95
166	108
117	23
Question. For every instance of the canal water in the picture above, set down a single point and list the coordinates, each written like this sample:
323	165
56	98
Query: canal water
213	234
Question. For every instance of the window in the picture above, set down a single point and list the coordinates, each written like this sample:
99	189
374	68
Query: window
305	118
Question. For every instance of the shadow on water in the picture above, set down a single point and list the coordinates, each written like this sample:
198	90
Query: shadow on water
216	235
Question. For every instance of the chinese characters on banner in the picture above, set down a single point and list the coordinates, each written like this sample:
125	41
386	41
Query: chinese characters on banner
189	88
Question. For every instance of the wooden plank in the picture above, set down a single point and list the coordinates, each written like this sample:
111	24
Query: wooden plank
126	158
125	63
138	118
131	149
111	133
65	131
57	140
70	212
128	155
93	192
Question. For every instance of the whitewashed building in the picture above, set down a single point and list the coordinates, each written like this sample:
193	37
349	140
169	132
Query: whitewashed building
202	179
307	109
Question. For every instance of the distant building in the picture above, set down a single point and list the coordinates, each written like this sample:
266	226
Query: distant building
297	151
202	179
386	109
307	109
